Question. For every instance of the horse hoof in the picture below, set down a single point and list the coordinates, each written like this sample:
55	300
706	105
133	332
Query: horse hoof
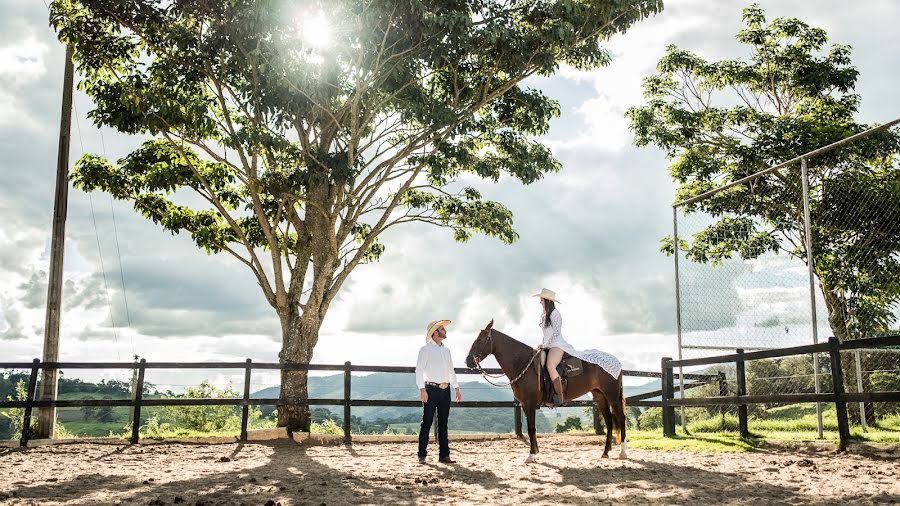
604	456
622	454
530	459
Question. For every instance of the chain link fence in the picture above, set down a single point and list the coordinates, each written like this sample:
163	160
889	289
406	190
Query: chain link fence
744	281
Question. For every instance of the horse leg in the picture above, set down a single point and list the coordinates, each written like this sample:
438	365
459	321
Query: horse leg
618	410
603	409
532	432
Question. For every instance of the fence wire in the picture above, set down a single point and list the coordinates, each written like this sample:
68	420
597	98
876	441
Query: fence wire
744	280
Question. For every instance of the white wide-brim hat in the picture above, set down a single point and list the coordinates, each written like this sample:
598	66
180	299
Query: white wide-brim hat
547	294
434	326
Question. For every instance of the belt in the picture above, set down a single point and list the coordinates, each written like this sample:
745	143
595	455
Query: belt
439	385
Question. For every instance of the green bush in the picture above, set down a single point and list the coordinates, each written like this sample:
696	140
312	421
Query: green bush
326	427
154	429
570	424
205	418
651	419
16	416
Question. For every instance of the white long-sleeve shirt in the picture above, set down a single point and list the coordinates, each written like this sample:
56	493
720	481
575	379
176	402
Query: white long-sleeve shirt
553	334
435	365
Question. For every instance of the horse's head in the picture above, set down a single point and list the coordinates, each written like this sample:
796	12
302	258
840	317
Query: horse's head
481	348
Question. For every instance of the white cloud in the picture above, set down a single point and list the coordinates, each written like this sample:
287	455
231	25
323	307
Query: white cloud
21	63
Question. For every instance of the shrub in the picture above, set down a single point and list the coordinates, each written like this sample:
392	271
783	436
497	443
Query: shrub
206	418
326	427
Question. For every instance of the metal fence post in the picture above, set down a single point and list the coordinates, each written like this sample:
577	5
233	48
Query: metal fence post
810	263
840	405
859	388
741	391
245	412
29	398
347	379
138	395
678	310
668	412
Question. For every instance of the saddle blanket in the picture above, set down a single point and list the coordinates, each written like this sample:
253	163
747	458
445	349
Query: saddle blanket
606	361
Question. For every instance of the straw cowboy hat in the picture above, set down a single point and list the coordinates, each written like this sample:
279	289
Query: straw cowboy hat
547	294
434	326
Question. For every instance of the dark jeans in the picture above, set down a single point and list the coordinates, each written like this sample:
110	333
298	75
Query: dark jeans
437	399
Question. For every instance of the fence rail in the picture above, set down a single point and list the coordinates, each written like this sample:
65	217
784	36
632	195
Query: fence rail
839	397
246	401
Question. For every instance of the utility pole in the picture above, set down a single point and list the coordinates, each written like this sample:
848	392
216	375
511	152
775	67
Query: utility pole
47	416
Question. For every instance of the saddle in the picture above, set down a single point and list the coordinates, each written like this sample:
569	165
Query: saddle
568	367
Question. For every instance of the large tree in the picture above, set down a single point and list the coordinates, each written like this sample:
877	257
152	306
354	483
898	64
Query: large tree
308	146
722	121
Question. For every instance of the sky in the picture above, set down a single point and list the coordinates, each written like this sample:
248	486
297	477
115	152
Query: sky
590	232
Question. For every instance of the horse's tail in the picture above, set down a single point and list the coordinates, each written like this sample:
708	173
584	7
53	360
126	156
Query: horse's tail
619	418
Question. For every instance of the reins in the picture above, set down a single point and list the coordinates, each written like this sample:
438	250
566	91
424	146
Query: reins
486	375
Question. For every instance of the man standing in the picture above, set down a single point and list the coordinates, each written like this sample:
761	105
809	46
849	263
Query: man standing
434	377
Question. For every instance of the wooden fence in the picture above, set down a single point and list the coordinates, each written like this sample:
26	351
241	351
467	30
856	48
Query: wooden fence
246	401
838	396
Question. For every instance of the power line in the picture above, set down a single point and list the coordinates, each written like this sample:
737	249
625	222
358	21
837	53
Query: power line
112	320
118	252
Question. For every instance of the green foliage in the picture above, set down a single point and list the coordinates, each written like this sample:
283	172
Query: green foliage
793	94
571	424
16	416
886	381
154	429
633	417
205	418
727	423
312	151
326	427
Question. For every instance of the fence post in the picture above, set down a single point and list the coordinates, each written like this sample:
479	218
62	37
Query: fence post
859	388
517	417
29	398
741	391
245	412
347	380
668	385
723	392
138	395
598	429
837	378
811	267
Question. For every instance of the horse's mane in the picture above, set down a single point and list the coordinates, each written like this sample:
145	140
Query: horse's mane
511	340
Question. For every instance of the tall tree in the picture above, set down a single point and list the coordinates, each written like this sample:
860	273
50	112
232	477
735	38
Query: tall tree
307	145
721	121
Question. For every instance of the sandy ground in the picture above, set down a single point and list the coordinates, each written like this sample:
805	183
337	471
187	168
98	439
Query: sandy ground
568	471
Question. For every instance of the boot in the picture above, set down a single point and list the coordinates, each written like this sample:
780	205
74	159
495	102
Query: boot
557	385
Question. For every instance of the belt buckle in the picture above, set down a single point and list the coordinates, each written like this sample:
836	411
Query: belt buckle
442	386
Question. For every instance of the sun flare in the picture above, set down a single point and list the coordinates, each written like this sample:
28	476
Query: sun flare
316	30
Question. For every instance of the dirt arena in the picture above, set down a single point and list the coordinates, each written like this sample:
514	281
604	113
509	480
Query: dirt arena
568	471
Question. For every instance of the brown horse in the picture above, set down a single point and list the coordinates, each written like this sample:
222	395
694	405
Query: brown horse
515	359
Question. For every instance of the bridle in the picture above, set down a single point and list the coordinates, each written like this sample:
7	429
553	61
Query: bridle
486	375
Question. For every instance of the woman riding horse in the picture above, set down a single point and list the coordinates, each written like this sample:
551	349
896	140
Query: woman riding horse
551	324
516	360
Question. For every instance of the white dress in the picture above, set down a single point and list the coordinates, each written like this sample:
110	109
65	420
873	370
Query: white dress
553	339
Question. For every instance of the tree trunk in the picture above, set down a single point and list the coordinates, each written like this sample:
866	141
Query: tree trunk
837	311
300	332
837	320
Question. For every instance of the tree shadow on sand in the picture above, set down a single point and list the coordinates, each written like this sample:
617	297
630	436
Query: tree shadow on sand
291	473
